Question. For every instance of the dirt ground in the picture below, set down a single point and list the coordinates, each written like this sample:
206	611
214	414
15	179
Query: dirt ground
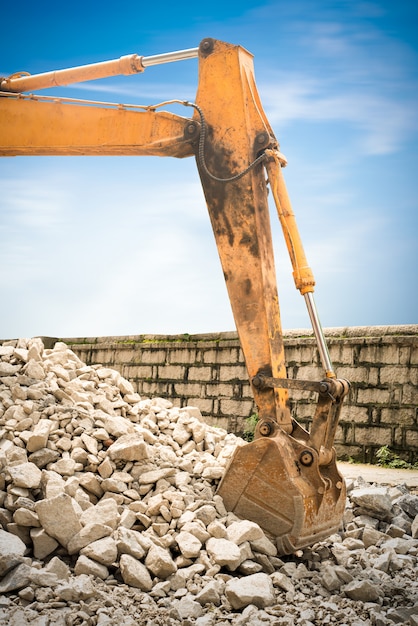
380	475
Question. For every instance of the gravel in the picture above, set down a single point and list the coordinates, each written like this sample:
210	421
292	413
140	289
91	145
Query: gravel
109	513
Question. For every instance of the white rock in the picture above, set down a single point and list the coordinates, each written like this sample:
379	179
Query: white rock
39	437
131	542
180	434
17	578
52	484
129	448
11	545
7	369
244	530
126	388
25	475
206	514
113	485
217	529
414	528
375	500
87	566
128	518
213	472
88	534
58	567
330	579
160	562
362	590
105	512
90	443
256	589
64	467
155	503
188	608
26	517
188	544
264	546
79	588
90	482
198	430
118	426
43	544
153	476
197	528
34	369
211	593
134	573
103	551
105	468
59	517
224	552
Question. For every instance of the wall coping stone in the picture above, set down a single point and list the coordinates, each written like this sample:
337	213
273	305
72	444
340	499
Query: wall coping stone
338	332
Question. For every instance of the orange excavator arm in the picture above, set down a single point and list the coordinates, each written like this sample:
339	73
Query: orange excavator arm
286	479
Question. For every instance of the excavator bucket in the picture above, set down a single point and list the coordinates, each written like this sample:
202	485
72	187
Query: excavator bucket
296	503
290	484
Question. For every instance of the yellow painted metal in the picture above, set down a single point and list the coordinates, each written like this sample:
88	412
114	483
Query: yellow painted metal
49	127
302	273
237	130
22	81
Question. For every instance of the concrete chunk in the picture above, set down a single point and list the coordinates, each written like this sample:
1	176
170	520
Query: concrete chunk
39	437
256	589
43	544
12	549
103	551
135	573
129	448
26	475
59	517
224	552
87	534
188	544
242	531
160	562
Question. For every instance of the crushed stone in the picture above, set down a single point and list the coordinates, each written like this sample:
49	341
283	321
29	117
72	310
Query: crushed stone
109	513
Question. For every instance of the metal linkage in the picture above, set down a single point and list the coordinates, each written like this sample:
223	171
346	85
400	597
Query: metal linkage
260	381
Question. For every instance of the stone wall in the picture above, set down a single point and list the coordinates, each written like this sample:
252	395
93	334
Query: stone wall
208	371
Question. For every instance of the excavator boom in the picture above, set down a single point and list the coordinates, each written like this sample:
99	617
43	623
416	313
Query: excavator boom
286	479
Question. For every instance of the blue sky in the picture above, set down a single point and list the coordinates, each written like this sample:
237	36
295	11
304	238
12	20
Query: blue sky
123	245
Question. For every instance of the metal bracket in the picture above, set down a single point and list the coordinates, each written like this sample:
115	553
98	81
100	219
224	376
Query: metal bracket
260	381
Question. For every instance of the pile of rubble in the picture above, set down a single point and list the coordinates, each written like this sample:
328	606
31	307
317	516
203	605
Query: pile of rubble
108	513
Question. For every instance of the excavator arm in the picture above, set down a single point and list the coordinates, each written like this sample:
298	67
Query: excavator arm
286	479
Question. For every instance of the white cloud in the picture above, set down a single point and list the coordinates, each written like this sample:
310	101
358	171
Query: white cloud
352	73
383	123
35	202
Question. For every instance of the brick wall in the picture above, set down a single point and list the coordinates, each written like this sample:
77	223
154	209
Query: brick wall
208	371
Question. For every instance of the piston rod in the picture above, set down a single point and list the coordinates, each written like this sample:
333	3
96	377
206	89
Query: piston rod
169	57
319	335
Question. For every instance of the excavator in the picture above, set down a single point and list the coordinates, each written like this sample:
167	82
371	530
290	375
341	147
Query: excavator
286	479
